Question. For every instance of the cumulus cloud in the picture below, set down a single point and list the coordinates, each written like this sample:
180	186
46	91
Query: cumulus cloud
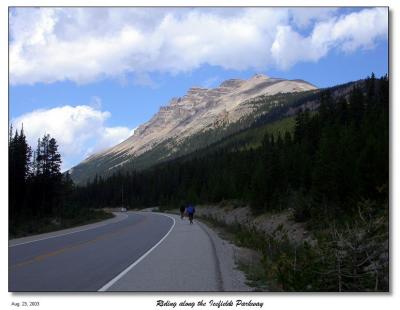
358	30
304	17
87	44
110	136
79	130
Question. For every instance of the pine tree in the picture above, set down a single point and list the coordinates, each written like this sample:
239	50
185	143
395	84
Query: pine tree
19	172
48	179
54	159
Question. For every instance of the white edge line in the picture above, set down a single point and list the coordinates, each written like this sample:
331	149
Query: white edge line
70	233
124	272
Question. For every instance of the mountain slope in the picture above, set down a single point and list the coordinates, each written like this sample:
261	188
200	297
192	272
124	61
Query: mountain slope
200	110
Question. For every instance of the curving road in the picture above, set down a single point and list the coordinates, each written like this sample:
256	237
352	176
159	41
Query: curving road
84	260
138	251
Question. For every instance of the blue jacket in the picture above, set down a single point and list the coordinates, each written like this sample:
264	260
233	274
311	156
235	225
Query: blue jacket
190	209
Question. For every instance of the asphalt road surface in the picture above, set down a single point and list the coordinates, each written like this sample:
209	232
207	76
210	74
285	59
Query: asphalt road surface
85	260
140	251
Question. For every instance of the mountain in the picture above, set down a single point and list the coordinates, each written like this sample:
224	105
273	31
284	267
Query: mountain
200	110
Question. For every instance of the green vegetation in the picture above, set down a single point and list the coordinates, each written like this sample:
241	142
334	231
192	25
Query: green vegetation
253	137
66	218
38	192
330	165
266	110
333	159
350	259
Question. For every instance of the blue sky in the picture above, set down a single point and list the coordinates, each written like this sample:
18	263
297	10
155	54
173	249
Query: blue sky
90	77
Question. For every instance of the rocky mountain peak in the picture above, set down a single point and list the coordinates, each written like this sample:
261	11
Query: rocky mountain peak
196	90
198	110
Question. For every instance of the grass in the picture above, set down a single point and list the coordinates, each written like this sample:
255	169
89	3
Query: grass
254	136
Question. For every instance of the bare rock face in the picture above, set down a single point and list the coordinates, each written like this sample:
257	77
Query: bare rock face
200	109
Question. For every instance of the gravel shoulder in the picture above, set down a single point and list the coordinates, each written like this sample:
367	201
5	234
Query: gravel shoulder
227	255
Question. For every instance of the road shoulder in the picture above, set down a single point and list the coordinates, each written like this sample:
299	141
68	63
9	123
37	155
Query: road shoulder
233	279
192	258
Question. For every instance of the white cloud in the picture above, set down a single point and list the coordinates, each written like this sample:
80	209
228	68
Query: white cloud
110	136
304	17
79	130
86	44
359	30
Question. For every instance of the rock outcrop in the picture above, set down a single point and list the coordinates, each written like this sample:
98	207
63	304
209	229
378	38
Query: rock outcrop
200	109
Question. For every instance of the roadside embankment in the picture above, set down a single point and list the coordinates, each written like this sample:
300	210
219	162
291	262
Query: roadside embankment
278	225
282	255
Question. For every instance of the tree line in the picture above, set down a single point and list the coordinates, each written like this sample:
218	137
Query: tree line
39	194
336	157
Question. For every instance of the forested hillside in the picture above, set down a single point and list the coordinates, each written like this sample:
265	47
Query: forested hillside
330	166
266	109
193	121
332	158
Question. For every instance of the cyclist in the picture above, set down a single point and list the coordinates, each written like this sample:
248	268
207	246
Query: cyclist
190	210
182	209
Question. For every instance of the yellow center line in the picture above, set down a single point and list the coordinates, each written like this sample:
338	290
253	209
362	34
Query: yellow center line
74	247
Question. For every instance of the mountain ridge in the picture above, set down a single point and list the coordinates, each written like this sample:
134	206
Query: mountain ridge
200	109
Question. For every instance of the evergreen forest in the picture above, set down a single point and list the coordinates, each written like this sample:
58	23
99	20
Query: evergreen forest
331	160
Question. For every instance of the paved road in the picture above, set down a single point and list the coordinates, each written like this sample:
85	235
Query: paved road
138	251
84	260
185	261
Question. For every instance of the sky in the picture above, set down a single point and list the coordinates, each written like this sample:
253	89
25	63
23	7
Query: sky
90	76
